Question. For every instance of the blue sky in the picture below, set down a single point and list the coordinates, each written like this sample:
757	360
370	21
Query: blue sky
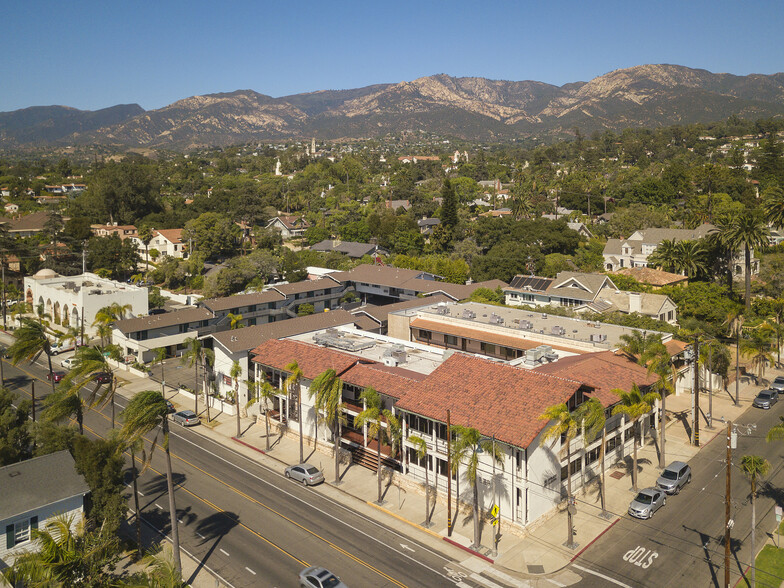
91	55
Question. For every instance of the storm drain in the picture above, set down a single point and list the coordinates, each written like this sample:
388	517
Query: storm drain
535	569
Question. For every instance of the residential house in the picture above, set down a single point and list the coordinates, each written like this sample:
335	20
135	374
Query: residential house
34	493
11	208
290	226
122	231
395	204
30	224
426	225
350	248
653	277
380	314
169	242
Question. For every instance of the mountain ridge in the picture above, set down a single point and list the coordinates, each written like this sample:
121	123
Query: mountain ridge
465	107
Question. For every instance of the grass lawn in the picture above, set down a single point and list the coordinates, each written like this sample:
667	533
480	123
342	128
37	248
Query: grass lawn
770	567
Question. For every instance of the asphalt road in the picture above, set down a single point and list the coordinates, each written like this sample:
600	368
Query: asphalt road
252	527
683	544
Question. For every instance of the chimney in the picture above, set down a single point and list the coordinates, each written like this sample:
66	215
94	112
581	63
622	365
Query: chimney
635	302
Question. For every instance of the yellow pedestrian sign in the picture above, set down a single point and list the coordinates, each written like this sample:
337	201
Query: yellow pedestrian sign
494	512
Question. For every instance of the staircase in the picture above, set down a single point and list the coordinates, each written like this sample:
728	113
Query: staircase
369	458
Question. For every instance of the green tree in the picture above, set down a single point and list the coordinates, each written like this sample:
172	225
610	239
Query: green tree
235	321
305	309
758	347
145	236
147	412
635	405
15	438
747	231
101	463
266	395
590	414
466	448
636	344
773	205
234	374
119	258
88	361
213	234
122	192
371	417
754	467
159	571
193	357
448	205
328	390
293	390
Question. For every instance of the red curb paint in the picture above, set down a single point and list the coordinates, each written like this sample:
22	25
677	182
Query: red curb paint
594	540
248	445
471	551
743	577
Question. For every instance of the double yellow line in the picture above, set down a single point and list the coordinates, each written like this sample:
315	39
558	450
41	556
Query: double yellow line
249	498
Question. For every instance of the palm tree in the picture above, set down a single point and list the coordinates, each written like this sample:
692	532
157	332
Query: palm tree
160	357
234	374
734	323
62	405
193	356
773	206
635	405
145	236
328	390
754	467
235	321
146	412
292	386
159	570
660	362
637	343
266	394
109	314
66	555
665	256
567	425
468	444
88	361
691	258
592	420
759	348
420	446
370	417
31	340
749	231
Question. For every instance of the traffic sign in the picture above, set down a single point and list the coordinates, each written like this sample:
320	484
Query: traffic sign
494	511
778	514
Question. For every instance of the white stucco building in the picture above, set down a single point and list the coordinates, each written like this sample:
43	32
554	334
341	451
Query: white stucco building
68	299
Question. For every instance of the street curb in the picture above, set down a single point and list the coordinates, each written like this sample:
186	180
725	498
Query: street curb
398	517
579	553
743	577
469	550
248	445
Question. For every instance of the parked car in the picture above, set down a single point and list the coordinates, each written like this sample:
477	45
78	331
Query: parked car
778	384
766	399
68	363
170	407
56	348
186	418
305	473
674	477
56	376
647	502
317	577
157	311
102	377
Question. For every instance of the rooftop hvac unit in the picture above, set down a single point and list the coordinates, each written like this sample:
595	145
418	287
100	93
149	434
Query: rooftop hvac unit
598	337
544	315
469	314
499	320
558	330
442	310
545	348
551	356
390	361
526	325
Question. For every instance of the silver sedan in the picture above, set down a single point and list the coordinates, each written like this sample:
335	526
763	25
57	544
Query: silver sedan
647	502
305	473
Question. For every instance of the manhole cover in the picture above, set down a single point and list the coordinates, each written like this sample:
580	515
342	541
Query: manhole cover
617	475
535	569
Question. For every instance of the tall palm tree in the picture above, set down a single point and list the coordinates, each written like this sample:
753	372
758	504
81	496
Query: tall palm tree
234	374
370	417
31	340
193	356
758	346
773	206
109	314
635	405
567	425
88	361
734	324
64	404
637	343
590	414
266	393
328	390
754	467
659	362
466	448
235	321
749	231
146	412
145	236
420	446
292	386
691	258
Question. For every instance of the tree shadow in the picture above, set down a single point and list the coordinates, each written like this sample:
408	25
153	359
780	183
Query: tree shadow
627	464
705	541
216	526
158	486
161	520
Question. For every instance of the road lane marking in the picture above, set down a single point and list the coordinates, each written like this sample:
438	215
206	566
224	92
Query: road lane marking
224	552
608	578
159	506
250	570
200	535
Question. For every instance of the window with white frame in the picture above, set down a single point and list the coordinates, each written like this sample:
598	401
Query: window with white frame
21	531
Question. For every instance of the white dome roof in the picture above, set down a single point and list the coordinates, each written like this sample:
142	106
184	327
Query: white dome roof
46	273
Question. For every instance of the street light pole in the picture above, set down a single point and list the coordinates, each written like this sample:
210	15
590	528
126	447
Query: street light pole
727	525
497	504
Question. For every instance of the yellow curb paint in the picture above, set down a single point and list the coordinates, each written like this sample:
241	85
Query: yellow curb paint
398	517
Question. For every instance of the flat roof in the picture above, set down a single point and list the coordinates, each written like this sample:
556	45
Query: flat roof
166	319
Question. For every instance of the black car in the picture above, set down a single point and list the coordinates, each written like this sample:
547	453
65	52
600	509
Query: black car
102	377
170	407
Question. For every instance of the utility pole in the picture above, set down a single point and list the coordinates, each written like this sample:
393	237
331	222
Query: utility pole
449	473
32	393
696	421
737	369
727	497
4	312
84	259
710	386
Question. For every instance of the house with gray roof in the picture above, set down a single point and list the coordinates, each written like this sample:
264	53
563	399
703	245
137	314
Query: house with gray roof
351	248
33	493
635	250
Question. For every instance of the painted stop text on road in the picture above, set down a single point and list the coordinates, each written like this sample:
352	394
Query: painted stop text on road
640	556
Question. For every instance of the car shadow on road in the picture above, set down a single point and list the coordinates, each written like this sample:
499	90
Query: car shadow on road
215	526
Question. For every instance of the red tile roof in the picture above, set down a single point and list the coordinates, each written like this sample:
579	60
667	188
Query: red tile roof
604	371
391	381
495	398
312	359
172	235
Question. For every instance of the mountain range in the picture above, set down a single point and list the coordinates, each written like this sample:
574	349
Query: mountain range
468	108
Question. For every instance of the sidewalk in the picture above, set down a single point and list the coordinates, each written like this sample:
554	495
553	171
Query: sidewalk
522	556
